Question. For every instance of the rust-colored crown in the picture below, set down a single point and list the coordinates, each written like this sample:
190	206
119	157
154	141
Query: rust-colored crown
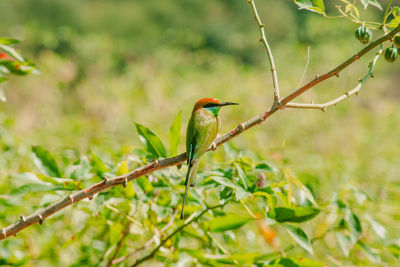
205	101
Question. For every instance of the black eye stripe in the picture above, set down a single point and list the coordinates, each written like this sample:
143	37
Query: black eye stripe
209	105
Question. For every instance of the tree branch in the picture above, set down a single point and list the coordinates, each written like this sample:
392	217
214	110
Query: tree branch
338	69
177	230
263	39
40	215
346	95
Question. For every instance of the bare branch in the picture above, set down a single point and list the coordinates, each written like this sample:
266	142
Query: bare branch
263	39
40	215
346	95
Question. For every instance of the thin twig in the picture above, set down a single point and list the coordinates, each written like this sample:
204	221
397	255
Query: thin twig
336	71
263	39
40	215
177	230
305	68
346	95
148	243
121	241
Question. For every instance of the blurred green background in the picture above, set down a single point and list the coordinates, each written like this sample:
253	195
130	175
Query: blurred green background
107	64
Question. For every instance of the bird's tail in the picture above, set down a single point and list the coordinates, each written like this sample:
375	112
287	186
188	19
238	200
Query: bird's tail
190	181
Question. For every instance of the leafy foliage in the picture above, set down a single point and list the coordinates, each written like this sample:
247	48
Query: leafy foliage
238	193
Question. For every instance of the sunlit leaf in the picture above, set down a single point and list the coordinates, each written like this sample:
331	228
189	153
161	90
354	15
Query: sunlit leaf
123	168
152	142
372	256
294	214
227	222
377	227
371	2
174	135
45	162
12	52
300	185
345	243
300	237
98	165
292	262
394	249
317	6
242	176
8	41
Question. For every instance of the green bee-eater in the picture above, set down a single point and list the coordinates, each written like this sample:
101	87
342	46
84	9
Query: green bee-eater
200	134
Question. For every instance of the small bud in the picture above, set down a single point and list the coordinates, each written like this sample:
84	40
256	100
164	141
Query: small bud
3	233
22	218
213	146
125	182
41	220
90	198
323	109
261	180
337	74
71	199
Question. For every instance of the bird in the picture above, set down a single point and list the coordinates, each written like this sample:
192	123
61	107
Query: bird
201	132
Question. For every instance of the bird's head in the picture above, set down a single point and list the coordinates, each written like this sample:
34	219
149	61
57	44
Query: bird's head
211	104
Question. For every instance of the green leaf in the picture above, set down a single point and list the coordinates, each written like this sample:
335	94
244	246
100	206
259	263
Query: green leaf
227	222
174	135
45	162
240	192
300	237
8	41
317	6
345	243
394	249
12	52
98	165
377	227
396	20
28	188
372	2
242	176
373	257
264	167
294	214
291	262
123	168
353	223
152	142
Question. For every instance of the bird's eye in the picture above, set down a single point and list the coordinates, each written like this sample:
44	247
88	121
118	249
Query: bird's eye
209	105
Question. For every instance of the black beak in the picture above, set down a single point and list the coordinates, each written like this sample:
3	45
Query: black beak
227	104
